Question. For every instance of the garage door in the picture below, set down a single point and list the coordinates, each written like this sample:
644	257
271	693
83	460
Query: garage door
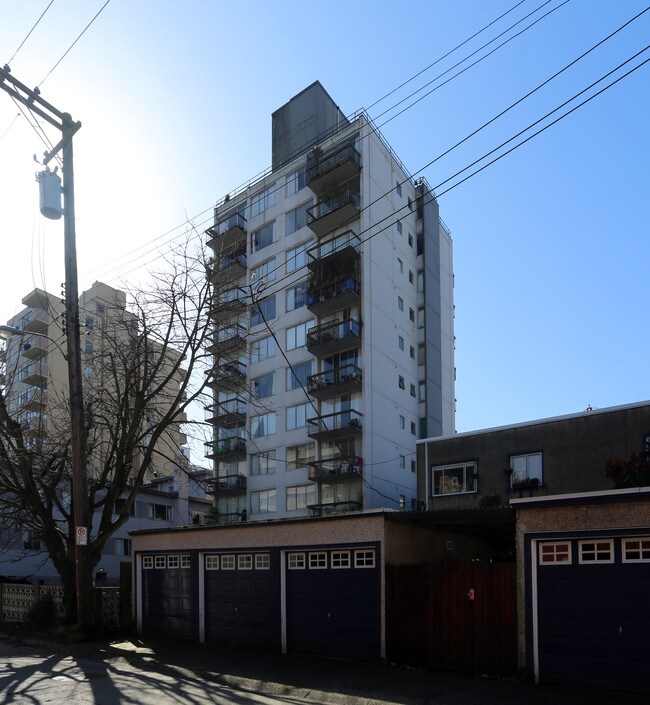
166	595
593	610
333	602
240	605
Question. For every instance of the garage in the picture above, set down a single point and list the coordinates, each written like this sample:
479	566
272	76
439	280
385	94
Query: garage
241	604
166	595
593	611
333	602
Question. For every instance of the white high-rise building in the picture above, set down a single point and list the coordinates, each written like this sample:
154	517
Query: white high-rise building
333	337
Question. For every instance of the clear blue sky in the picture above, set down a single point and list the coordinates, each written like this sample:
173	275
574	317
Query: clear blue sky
551	247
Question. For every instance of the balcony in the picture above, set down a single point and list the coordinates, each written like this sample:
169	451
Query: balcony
334	336
228	485
229	517
226	449
230	266
319	510
35	347
227	233
34	400
227	341
337	210
337	167
35	427
326	252
38	322
228	377
229	305
228	414
325	297
36	377
334	382
340	424
334	469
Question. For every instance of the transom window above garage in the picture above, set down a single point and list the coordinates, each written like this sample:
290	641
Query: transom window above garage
245	562
597	551
555	553
296	561
318	560
453	479
364	558
341	559
636	550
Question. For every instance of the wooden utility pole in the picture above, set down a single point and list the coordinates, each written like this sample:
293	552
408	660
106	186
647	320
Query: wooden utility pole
64	123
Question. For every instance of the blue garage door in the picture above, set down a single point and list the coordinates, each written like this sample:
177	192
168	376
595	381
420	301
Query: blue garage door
166	596
594	612
241	606
333	602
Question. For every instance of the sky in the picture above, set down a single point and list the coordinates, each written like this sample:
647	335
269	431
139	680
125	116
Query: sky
551	245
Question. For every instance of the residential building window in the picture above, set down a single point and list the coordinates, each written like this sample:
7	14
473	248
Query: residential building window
420	281
89	347
31	540
296	561
297	256
212	562
300	456
402	461
298	375
118	506
399	226
340	559
410	240
636	550
364	558
413	466
262	561
412	352
423	427
400	303
412	391
264	272
413	428
318	561
263	311
263	237
228	562
162	512
90	323
263	386
263	463
263	200
122	547
297	296
400	382
423	391
411	277
263	502
421	317
421	354
296	181
596	551
555	553
263	349
147	562
453	479
161	561
263	425
297	416
297	218
398	188
411	315
526	468
400	265
300	497
400	342
402	501
297	335
245	561
402	422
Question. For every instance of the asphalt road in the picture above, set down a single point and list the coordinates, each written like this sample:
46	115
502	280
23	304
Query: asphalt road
182	673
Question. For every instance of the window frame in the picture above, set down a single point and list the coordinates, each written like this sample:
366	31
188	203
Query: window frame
468	466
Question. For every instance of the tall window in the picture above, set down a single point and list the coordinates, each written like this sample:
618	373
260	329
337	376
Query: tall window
263	425
452	479
297	335
263	237
263	200
300	497
263	463
297	296
264	386
301	455
297	218
297	416
297	256
263	272
263	502
263	349
264	310
526	468
296	181
298	375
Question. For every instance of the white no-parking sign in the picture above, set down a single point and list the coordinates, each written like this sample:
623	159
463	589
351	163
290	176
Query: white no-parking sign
82	536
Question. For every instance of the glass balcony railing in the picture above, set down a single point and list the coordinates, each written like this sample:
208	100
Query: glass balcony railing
336	425
334	336
227	232
329	250
326	296
333	212
330	168
334	382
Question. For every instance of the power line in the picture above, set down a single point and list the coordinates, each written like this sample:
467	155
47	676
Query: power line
30	31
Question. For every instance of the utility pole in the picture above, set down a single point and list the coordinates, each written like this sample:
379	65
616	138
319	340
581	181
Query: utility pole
64	123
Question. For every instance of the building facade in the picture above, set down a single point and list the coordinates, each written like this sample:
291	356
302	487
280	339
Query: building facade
333	333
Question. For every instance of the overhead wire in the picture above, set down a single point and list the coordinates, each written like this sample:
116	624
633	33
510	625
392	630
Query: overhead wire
30	31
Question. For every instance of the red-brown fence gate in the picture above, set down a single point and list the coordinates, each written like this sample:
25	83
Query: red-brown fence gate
453	614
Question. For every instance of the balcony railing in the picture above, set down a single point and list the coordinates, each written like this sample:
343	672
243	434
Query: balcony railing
226	448
318	510
34	400
337	167
227	232
229	517
36	376
227	414
327	251
325	297
228	485
340	208
334	382
227	340
334	336
340	424
227	377
38	322
334	469
228	305
234	264
35	347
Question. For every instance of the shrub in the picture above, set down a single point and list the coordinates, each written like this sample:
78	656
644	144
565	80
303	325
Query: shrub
43	612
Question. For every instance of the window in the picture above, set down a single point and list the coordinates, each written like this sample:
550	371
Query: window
263	237
300	456
297	335
423	391
421	317
161	561
526	469
555	552
122	547
596	551
263	425
89	347
228	562
402	461
413	466
31	540
412	390
90	323
300	497
263	349
297	296
263	200
147	562
318	561
245	562
264	272
364	558
402	422
298	375
420	282
411	277
399	226
297	256
297	218
402	501
421	354
340	559
263	501
212	562
296	181
413	428
412	352
452	479
411	315
185	561
173	561
398	188
263	386
297	416
119	506
410	240
161	512
296	561
400	303
263	311
262	561
263	463
400	342
400	265
400	382
636	550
